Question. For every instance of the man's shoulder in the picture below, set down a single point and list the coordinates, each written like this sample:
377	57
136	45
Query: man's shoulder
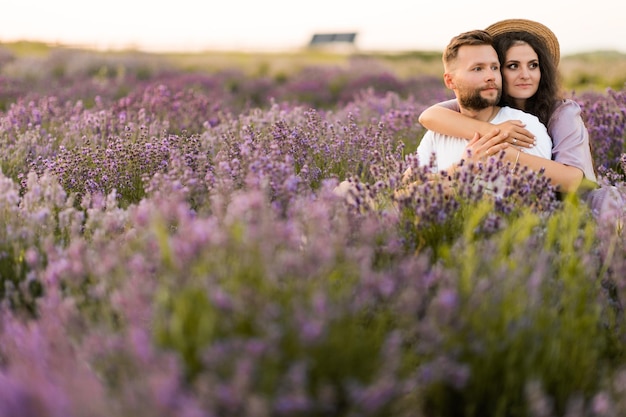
450	104
510	113
507	112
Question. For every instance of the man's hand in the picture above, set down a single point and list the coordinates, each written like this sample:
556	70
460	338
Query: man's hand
481	147
513	132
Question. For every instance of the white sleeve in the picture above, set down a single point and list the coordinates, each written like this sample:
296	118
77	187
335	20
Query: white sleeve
543	147
425	148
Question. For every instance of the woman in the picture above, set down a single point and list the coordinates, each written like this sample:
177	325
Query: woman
529	54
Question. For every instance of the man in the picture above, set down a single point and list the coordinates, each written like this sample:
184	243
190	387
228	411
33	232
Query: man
472	71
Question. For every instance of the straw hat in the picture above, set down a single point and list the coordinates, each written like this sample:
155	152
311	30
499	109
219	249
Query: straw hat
523	25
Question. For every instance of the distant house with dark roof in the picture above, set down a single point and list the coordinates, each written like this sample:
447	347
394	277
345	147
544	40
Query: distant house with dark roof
340	42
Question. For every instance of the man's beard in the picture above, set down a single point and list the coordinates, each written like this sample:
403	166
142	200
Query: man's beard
471	99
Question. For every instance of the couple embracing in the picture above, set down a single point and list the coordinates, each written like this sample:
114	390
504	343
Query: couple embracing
508	99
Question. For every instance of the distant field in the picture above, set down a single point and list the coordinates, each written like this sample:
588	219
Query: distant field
586	71
594	70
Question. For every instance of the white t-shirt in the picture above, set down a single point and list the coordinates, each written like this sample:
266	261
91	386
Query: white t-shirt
449	150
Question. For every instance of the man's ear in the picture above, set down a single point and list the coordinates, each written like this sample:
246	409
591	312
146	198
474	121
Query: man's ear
448	79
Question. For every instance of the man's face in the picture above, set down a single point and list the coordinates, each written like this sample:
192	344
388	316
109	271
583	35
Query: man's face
475	77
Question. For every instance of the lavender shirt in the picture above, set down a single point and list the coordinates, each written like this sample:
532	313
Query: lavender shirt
570	138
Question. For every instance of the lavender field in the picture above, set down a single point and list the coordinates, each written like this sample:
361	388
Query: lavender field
172	244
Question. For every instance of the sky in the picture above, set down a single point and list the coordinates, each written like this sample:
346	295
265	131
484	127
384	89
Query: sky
279	25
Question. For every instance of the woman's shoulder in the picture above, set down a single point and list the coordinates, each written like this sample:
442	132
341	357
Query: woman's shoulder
565	111
566	106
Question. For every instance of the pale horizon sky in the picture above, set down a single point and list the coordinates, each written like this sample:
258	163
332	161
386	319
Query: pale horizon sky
392	25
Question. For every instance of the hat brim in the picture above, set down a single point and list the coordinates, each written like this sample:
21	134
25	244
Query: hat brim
523	25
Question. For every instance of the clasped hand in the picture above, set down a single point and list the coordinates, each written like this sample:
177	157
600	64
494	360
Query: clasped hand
513	132
481	147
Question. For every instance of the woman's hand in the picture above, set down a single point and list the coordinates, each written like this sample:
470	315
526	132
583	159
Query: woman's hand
513	132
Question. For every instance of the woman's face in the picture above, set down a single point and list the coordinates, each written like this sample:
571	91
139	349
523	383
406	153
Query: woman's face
521	73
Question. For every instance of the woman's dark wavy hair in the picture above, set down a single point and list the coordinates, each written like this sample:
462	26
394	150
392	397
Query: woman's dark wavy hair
543	103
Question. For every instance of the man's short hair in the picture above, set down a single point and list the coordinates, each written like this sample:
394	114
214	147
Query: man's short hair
472	38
